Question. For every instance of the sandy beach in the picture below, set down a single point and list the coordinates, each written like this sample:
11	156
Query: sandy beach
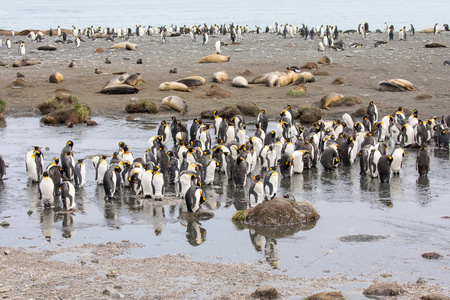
360	68
81	272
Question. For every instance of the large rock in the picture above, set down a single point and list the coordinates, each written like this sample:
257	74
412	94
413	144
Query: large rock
384	289
141	106
281	211
64	108
435	297
249	108
335	295
309	114
229	111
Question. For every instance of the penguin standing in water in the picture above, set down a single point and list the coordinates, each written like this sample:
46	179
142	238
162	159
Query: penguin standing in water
80	173
67	148
384	168
46	190
2	167
157	184
271	183
146	183
239	172
55	172
100	168
109	181
195	197
68	195
256	191
397	159
423	162
329	158
35	164
67	163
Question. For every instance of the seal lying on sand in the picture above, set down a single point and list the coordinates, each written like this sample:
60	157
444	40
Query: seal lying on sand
215	58
176	103
396	85
240	81
173	85
328	99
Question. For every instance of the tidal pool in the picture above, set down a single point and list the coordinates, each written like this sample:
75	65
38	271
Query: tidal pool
397	221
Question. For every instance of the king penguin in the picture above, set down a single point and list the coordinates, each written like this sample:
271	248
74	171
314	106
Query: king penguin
68	195
384	168
157	184
397	159
80	173
2	167
46	190
67	163
239	172
195	197
372	113
109	181
271	183
22	48
34	164
423	162
256	191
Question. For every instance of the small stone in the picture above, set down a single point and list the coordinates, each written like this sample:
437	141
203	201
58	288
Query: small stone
431	255
106	292
117	287
111	273
265	293
335	295
5	289
423	96
95	261
30	212
4	224
118	296
386	275
421	280
7	252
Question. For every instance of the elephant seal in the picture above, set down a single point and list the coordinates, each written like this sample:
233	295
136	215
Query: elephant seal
396	85
203	80
215	58
46	47
56	77
435	45
309	77
116	80
260	79
133	79
328	99
124	45
190	82
272	78
176	103
240	81
283	80
219	76
173	85
119	89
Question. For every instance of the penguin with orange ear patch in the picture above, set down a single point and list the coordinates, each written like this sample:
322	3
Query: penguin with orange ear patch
423	162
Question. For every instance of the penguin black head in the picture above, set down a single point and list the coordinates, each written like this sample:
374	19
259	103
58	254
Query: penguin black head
79	160
257	177
117	169
45	174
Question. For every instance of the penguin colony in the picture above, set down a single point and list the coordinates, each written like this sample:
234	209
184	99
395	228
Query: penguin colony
328	35
264	159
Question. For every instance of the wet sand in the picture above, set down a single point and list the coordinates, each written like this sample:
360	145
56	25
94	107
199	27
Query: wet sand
81	272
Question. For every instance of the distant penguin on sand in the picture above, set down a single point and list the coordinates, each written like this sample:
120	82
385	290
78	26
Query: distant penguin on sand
22	48
436	28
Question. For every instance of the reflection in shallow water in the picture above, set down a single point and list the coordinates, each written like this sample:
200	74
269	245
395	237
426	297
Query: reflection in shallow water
347	202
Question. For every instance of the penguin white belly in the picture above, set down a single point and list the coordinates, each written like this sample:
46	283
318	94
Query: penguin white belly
210	172
101	170
158	185
298	161
146	182
46	188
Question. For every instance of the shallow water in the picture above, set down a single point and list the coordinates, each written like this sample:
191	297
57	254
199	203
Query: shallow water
407	213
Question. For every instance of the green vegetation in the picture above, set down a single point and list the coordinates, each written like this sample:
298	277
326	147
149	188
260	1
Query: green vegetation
2	106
